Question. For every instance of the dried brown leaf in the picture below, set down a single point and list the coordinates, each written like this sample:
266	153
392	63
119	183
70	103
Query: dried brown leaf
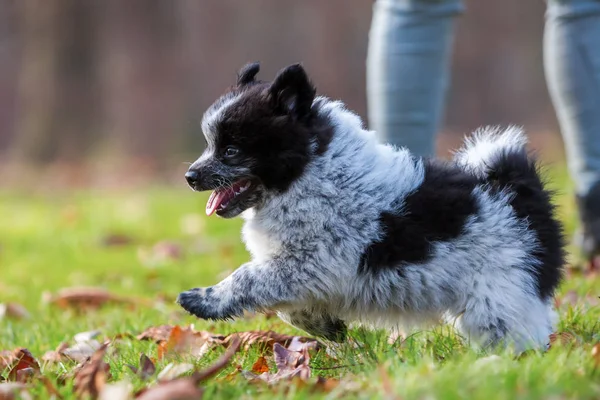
116	240
187	388
268	338
156	333
146	368
221	363
297	344
179	389
187	341
116	391
290	364
14	311
81	351
260	365
25	374
93	374
7	358
54	356
173	370
86	298
22	359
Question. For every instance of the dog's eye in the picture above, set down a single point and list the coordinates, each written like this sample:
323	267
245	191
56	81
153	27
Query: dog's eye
231	151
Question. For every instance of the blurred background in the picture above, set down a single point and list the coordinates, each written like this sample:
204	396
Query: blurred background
109	91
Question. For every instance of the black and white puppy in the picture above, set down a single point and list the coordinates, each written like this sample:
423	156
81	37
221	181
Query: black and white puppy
344	229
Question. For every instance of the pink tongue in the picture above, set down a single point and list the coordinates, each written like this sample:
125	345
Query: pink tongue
215	200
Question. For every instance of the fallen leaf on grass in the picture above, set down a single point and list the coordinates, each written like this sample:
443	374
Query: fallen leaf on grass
116	391
14	311
85	298
187	388
23	360
84	347
55	355
116	240
290	364
260	365
25	375
300	343
92	375
146	369
6	359
172	371
81	351
180	389
269	338
156	333
234	346
187	341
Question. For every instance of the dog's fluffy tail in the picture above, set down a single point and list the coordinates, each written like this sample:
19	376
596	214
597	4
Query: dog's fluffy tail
499	156
500	159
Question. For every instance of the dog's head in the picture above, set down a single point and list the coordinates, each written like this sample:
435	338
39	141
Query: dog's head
260	137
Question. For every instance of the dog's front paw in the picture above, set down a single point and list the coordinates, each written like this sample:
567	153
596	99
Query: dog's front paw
198	302
203	303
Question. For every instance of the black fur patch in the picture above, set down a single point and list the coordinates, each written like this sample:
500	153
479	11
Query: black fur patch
247	74
273	126
436	211
519	173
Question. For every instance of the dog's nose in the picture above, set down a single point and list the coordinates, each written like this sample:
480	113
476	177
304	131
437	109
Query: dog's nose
192	177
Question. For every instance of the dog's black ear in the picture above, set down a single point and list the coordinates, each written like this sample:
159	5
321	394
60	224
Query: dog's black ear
291	91
247	73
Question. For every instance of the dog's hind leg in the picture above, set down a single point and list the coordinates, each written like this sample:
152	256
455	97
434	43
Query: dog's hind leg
520	321
316	322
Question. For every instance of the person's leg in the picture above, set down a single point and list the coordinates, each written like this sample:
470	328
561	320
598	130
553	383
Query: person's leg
572	64
408	66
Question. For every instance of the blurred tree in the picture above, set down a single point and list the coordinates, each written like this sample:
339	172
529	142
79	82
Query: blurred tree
143	79
58	95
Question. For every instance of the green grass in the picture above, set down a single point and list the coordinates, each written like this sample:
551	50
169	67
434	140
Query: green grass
54	240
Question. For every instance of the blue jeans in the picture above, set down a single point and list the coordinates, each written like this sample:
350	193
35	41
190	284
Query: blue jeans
408	72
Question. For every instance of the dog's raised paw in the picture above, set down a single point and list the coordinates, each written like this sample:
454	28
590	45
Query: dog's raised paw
194	301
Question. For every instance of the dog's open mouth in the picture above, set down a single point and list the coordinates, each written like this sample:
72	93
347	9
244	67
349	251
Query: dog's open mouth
223	197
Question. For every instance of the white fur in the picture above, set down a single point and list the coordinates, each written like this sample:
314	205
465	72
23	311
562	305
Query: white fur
485	143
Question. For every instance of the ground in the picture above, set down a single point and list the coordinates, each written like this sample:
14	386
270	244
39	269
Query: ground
150	244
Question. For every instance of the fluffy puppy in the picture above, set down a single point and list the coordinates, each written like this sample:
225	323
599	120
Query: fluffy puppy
344	229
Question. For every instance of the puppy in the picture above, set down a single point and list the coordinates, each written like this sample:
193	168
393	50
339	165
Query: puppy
344	229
